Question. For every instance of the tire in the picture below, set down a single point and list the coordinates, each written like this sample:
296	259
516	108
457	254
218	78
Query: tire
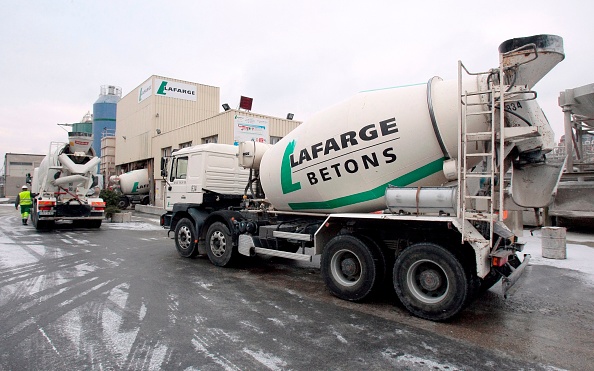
185	239
93	223
219	245
430	282
40	225
123	203
144	200
352	268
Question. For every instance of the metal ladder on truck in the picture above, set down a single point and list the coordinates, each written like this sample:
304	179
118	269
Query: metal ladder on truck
488	144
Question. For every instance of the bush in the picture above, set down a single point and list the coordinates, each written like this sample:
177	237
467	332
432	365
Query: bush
111	199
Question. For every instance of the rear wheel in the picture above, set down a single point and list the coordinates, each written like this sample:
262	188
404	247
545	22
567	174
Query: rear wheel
185	239
352	268
123	203
430	282
219	245
93	223
40	225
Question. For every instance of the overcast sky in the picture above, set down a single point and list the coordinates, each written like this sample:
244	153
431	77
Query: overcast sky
289	56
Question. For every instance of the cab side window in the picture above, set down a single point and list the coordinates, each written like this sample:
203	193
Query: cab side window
180	168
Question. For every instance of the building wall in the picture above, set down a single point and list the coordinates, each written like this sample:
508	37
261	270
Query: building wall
139	116
148	124
16	166
107	166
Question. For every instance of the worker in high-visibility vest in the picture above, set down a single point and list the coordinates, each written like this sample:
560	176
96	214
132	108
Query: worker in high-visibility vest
24	199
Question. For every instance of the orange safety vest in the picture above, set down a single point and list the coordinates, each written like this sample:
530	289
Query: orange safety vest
25	198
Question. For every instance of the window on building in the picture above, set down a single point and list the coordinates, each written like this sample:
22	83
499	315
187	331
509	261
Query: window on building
166	152
185	145
211	139
180	168
274	140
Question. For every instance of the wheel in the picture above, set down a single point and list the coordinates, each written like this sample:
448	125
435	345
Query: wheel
219	245
123	203
93	223
430	282
185	239
40	225
145	200
351	268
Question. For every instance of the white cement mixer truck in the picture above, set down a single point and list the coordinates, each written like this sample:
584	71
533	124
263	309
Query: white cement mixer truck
64	185
408	185
133	187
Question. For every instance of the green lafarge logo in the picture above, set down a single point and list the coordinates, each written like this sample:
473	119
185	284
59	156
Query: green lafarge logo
162	88
286	176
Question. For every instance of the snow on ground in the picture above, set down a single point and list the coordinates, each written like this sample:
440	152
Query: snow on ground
134	225
580	252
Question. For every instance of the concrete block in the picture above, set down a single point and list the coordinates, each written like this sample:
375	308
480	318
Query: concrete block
121	218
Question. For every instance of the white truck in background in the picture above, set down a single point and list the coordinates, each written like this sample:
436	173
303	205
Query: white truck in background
64	186
404	185
133	187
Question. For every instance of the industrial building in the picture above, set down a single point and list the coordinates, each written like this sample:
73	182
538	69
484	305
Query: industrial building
16	168
164	114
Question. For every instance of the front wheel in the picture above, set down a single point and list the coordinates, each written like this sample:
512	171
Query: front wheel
185	241
219	245
430	282
351	268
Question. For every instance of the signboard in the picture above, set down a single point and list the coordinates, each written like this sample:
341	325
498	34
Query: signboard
145	90
173	89
246	128
245	103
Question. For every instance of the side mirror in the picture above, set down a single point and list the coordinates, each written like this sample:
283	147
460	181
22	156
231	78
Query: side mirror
28	178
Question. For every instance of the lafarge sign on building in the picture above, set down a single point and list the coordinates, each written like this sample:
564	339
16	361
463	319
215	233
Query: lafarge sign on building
172	89
169	89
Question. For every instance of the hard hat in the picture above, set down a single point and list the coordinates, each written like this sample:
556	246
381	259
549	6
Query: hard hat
24	187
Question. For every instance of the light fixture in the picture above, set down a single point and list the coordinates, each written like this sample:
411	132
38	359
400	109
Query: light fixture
157	114
290	116
226	107
158	131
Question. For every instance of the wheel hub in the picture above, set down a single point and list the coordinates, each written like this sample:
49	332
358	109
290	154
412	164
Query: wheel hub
218	243
430	280
349	267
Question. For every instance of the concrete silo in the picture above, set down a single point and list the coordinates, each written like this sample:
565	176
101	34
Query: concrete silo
104	114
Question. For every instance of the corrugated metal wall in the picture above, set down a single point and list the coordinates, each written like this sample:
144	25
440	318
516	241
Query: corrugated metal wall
137	122
157	122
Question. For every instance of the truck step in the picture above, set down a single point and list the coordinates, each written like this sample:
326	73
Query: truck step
282	254
293	236
480	216
477	175
482	154
480	136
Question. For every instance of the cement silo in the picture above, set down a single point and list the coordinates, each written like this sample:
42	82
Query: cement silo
104	114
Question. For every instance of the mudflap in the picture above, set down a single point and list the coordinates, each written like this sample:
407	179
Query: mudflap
508	284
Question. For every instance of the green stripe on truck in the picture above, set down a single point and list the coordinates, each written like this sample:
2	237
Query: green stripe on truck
377	192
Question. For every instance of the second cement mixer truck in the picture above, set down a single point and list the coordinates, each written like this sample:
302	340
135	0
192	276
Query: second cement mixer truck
407	185
132	186
65	185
